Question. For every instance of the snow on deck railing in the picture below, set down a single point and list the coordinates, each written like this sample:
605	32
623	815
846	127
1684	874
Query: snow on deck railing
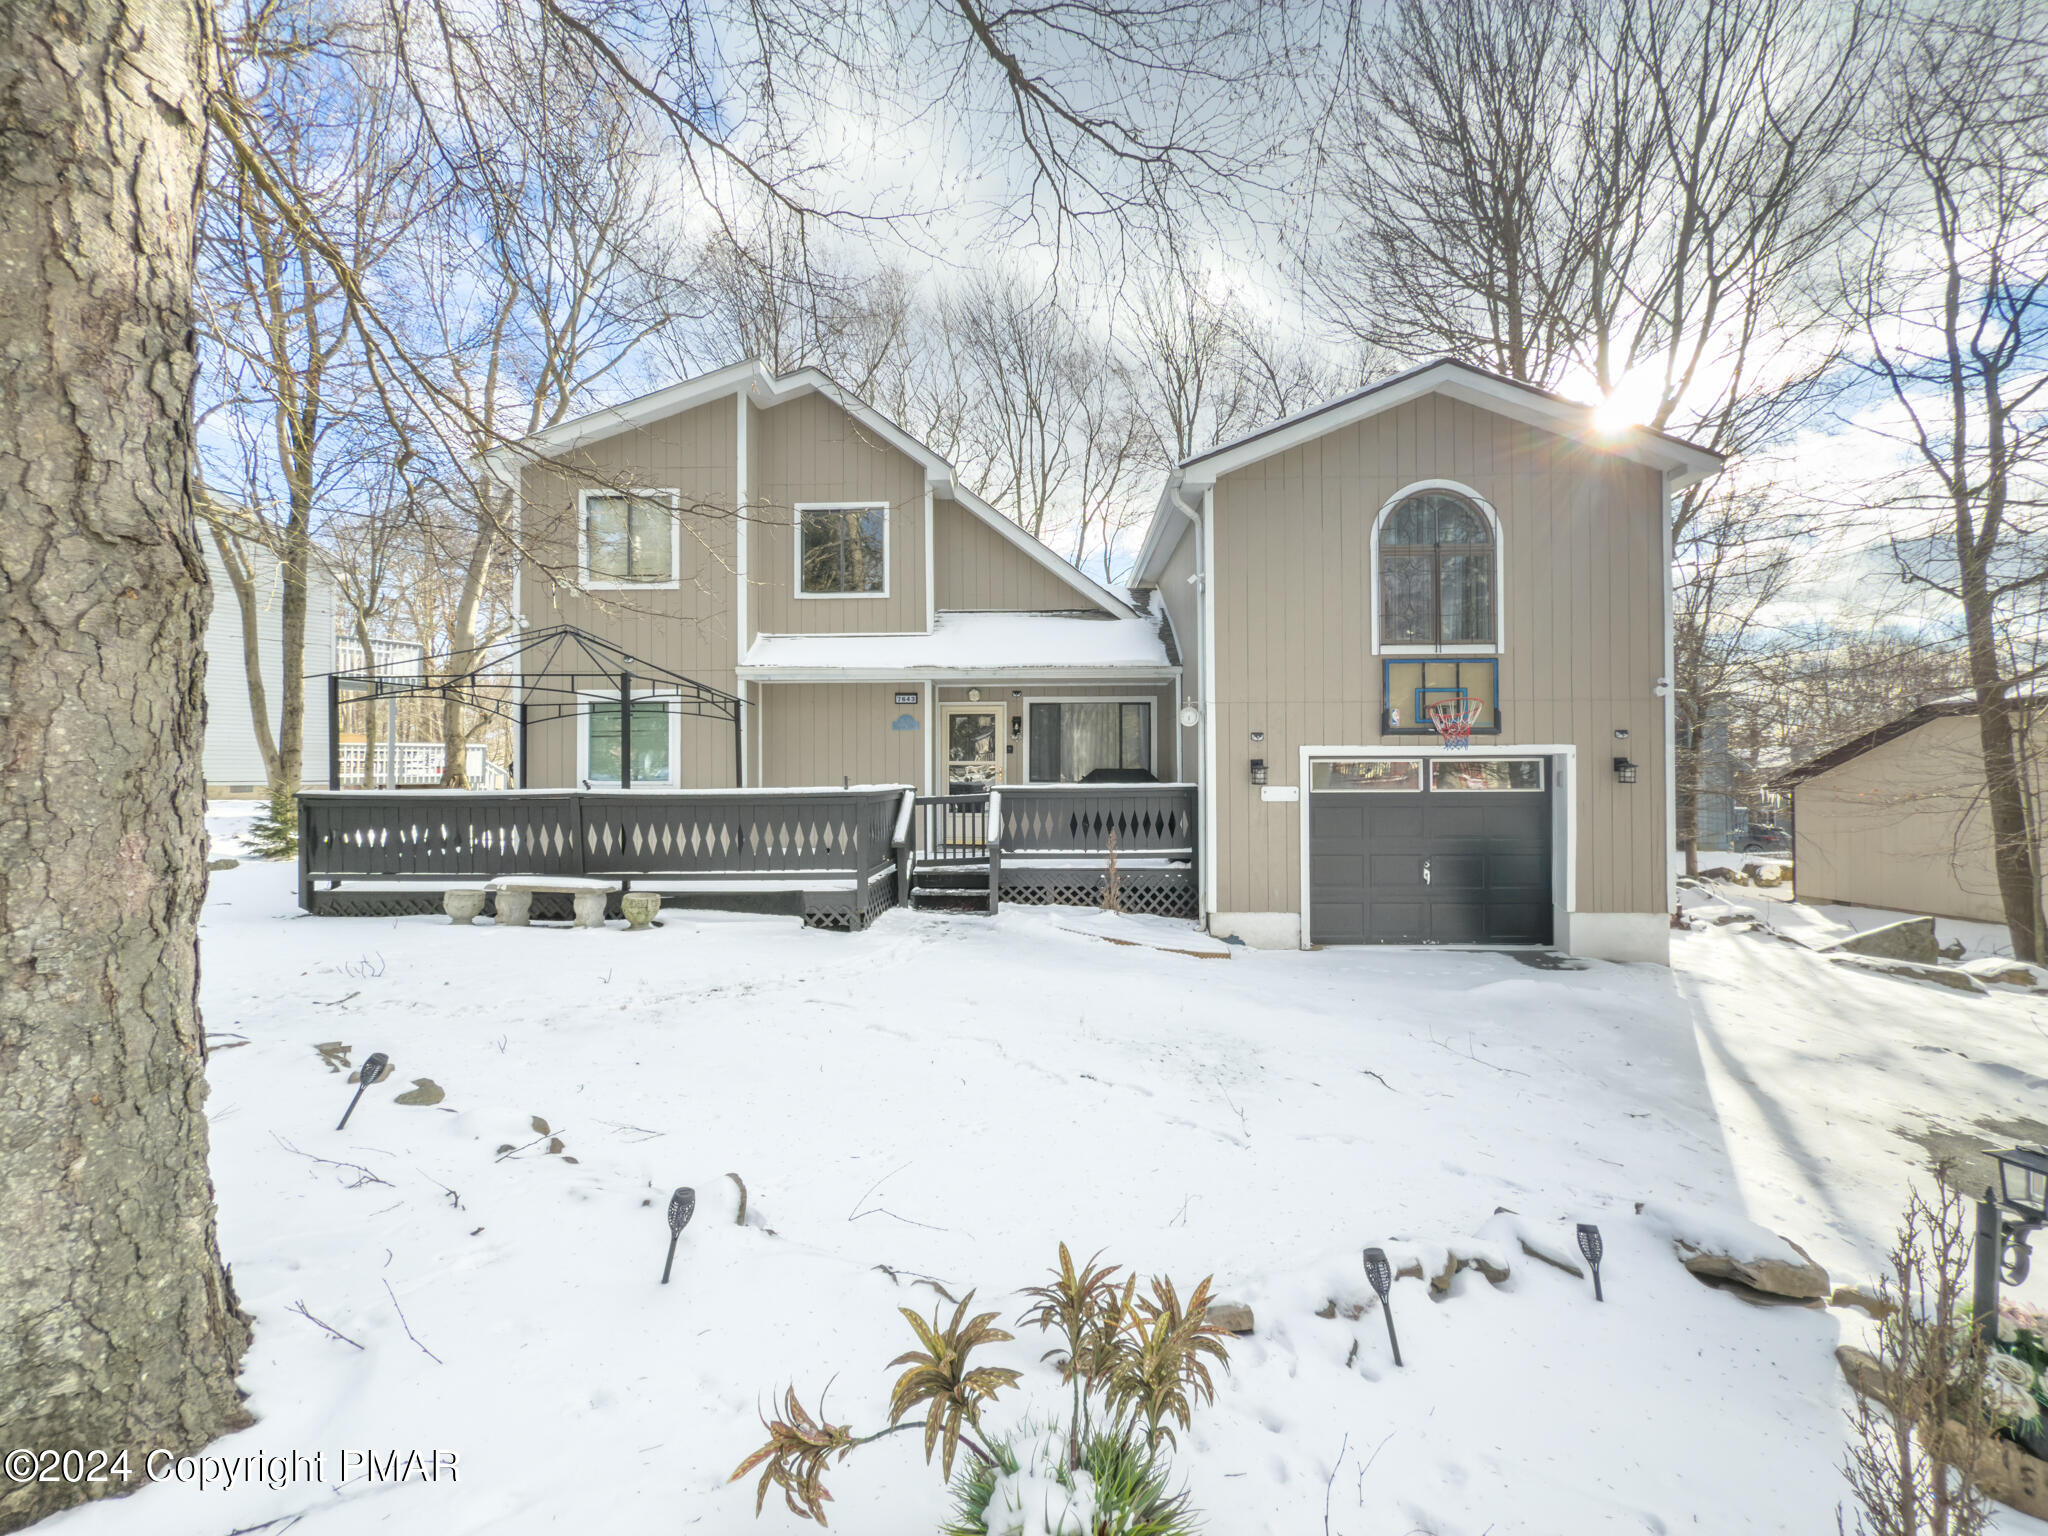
995	816
410	795
909	809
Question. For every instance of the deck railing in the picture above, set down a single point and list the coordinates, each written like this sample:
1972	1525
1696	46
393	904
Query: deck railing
852	840
746	837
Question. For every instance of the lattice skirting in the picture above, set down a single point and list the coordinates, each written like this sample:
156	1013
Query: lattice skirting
835	911
1154	892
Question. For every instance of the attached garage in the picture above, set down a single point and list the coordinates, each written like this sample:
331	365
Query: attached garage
1444	849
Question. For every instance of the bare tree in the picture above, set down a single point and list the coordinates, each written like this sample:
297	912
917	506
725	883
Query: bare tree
1632	198
1123	112
282	383
1952	299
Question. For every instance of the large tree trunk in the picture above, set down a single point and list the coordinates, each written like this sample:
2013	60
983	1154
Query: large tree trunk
2012	842
461	646
122	1330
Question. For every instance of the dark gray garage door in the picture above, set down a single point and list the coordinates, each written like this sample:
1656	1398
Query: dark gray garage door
1445	850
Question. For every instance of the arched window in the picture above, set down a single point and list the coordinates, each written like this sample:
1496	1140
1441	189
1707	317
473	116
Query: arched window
1436	572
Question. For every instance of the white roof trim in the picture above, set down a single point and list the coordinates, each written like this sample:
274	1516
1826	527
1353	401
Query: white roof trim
758	384
1682	462
1039	551
768	390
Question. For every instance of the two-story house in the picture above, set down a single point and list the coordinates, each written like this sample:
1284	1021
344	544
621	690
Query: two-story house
1308	604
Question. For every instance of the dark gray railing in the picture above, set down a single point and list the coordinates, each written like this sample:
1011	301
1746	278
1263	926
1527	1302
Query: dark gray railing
952	829
1153	820
466	835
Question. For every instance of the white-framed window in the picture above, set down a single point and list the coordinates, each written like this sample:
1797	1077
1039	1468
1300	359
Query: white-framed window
842	549
1366	776
1436	572
1068	739
657	742
1510	775
629	539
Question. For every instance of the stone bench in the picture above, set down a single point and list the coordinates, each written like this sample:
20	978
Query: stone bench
515	895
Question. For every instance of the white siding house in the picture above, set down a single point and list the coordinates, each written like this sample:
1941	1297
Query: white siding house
234	762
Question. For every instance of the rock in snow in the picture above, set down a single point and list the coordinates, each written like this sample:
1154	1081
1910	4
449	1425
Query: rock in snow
1231	1316
1724	1248
1912	940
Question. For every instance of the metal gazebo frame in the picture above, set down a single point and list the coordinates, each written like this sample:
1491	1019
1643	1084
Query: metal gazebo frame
537	695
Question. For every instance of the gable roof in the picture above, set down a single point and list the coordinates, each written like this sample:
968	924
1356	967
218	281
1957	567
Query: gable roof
1871	740
768	390
1687	462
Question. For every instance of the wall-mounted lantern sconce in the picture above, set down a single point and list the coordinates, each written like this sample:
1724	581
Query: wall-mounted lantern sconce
1258	770
1624	771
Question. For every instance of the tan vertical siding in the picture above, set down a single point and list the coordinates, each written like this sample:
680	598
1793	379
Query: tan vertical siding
690	629
979	571
810	450
1582	649
1902	826
1183	604
822	733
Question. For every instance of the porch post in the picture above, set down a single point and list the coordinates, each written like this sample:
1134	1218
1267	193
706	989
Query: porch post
333	731
739	745
625	730
522	743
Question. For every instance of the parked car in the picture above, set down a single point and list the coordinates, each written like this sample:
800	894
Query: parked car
1766	837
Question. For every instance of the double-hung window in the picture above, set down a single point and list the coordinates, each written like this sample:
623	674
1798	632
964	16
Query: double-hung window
630	540
842	551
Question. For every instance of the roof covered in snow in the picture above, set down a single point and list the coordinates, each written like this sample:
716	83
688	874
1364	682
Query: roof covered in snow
964	643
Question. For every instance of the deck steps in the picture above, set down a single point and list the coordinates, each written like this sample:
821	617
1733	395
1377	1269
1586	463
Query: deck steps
938	889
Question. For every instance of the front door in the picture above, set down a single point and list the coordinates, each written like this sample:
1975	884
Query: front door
1450	849
974	749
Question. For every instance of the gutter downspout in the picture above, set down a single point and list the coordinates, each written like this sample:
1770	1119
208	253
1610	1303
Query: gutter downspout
1205	559
1669	684
740	492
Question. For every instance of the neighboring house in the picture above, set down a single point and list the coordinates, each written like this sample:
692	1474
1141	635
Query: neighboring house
234	761
1301	599
1896	818
1445	535
420	760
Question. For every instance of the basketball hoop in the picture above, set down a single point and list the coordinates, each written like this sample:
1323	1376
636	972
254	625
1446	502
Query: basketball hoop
1454	719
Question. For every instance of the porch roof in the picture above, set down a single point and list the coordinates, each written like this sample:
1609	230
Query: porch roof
959	644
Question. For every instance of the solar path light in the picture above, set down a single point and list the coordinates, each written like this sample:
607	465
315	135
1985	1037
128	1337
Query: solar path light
1381	1274
682	1205
2001	1245
373	1068
1591	1247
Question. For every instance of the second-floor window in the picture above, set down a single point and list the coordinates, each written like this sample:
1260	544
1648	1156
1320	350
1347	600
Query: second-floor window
629	540
1437	574
842	551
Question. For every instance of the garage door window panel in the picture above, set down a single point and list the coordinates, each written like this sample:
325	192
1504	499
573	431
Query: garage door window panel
1487	775
1382	775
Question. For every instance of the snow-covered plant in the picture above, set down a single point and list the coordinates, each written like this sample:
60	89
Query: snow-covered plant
1035	1487
1136	1365
939	1379
275	833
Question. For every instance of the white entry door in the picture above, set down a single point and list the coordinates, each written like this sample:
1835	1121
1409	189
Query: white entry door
974	749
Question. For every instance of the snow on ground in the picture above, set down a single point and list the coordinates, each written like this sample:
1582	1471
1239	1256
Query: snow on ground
951	1097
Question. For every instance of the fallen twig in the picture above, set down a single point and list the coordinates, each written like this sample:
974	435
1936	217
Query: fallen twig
367	1176
300	1308
408	1326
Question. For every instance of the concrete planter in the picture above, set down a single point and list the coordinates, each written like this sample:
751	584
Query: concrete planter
463	907
639	908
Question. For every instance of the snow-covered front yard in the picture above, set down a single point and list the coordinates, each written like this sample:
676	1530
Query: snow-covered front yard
951	1098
